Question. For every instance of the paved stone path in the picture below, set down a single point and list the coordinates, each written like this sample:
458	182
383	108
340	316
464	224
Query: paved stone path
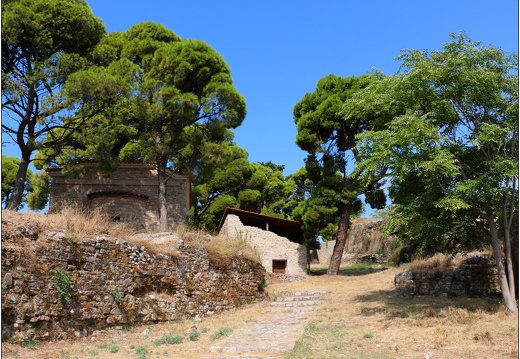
275	332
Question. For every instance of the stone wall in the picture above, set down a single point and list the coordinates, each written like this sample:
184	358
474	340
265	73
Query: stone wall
112	283
269	246
476	276
128	195
365	242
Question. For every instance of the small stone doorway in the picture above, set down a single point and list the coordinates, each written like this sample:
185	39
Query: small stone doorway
279	266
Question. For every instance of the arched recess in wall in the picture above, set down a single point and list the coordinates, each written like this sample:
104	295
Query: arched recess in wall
122	206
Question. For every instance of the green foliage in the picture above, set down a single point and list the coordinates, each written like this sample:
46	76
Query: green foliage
448	142
10	166
117	296
450	147
175	95
63	286
194	336
38	196
31	343
225	178
168	339
330	139
72	239
43	44
141	352
36	188
110	347
222	332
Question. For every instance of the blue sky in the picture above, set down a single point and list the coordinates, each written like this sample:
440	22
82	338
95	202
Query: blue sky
278	50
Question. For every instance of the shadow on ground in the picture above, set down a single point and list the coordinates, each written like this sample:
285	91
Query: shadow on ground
348	271
425	306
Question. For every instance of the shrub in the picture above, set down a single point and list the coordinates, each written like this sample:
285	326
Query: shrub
194	336
168	339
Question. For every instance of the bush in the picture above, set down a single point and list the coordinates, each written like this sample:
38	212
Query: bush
168	339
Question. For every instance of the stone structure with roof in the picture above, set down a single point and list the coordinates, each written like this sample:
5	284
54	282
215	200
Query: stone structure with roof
128	195
276	240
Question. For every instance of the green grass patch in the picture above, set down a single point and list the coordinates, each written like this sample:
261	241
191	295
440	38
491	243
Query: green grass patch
222	332
168	339
141	352
110	347
31	343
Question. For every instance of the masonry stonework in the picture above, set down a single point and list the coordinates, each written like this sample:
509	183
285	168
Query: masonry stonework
475	277
128	195
112	283
270	246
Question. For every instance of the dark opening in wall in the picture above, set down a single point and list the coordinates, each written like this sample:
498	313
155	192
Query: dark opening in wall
279	266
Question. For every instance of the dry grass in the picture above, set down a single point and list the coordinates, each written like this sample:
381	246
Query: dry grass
74	222
221	249
363	317
438	261
78	224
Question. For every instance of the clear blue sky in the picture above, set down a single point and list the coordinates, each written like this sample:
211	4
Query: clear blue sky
278	50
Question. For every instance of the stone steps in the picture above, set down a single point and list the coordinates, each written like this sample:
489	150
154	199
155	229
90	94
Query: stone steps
301	303
274	333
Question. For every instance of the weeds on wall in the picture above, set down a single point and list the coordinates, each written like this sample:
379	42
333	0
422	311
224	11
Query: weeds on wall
242	237
62	283
117	296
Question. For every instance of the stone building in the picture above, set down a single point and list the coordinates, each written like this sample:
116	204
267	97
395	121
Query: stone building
127	195
275	239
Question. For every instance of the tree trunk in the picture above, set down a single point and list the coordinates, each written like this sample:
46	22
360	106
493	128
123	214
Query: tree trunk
509	301
341	240
509	261
510	248
19	184
162	196
514	254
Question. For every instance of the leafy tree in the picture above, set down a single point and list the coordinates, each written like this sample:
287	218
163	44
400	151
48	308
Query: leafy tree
10	166
452	153
218	172
38	195
330	141
223	177
36	188
43	43
182	96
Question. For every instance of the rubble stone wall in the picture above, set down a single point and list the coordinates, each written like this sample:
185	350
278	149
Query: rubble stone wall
476	276
112	283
